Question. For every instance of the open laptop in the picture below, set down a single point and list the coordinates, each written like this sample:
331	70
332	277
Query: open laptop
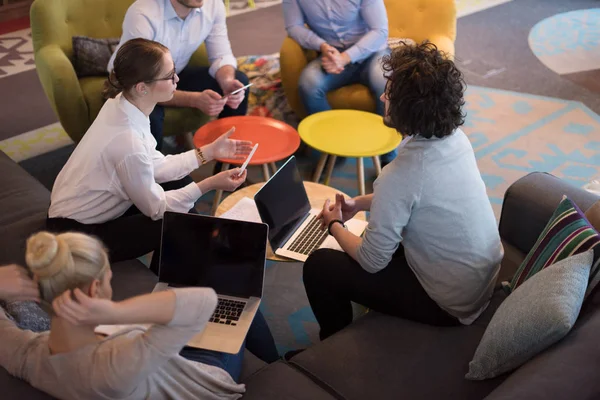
294	230
226	255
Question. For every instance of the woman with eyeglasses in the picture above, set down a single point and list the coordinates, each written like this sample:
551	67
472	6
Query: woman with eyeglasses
115	185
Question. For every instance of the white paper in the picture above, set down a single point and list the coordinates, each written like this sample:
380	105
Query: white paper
355	226
112	329
243	210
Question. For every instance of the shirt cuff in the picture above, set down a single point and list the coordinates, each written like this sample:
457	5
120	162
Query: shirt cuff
191	160
193	191
317	43
221	62
355	54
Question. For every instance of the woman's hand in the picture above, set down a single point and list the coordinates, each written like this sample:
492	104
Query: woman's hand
16	285
227	180
85	310
227	148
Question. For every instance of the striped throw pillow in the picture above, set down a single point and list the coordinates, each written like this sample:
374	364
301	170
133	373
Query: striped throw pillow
567	233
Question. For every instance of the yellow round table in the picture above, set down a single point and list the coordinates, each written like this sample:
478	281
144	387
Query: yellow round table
317	194
348	133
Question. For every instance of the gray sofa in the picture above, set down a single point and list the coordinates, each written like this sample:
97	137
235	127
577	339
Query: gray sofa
378	357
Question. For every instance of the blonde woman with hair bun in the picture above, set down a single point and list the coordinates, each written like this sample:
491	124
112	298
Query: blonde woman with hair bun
140	362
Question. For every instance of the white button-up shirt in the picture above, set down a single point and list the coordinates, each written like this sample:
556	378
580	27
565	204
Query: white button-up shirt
157	20
116	165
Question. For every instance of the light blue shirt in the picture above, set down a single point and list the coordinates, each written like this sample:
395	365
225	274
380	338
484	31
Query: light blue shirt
157	20
360	27
432	199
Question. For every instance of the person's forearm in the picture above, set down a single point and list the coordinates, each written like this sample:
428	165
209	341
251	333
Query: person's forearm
225	74
348	241
181	99
152	308
206	185
305	37
363	203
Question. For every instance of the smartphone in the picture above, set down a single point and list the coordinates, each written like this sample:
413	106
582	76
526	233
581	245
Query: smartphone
248	159
238	90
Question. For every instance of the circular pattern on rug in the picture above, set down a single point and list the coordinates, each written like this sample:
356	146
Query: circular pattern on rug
569	44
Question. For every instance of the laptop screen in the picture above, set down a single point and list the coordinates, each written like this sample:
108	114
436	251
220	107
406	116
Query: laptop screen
226	255
282	202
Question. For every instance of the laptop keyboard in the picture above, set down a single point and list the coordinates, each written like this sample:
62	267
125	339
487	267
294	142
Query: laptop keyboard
228	312
310	238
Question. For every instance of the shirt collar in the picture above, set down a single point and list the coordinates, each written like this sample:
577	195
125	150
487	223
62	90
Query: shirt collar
170	11
133	113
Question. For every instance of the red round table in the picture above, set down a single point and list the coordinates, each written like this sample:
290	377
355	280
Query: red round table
277	141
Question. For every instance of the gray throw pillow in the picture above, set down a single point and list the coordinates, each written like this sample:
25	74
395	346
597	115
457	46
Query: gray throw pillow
536	315
91	56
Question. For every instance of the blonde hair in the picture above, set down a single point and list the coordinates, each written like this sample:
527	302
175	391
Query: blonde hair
65	261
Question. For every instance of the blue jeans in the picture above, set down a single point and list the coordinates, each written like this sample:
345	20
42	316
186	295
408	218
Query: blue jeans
315	83
259	342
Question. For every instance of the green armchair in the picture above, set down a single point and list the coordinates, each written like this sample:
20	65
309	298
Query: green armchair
77	101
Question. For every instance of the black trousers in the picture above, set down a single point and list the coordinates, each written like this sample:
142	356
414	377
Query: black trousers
196	79
333	279
129	236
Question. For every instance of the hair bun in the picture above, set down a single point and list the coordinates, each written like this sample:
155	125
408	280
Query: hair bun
47	254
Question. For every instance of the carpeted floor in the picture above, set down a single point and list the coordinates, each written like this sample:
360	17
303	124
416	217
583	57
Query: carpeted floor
521	117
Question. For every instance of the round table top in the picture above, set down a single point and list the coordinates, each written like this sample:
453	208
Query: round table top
348	133
276	140
317	194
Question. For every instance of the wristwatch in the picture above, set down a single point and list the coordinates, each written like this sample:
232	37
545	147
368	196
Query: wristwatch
333	222
200	156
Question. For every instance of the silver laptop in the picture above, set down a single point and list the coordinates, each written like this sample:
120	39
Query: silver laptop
226	255
294	230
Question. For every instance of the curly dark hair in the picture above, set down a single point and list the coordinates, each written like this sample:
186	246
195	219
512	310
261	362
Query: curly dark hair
425	91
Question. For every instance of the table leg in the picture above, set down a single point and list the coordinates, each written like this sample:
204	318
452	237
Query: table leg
360	167
266	172
377	164
330	165
218	193
273	167
320	167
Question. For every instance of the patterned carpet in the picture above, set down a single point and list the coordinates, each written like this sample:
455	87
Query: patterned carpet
569	44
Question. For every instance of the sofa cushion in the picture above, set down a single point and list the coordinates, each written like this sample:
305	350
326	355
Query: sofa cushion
281	381
567	370
529	203
14	388
567	233
383	357
536	315
24	203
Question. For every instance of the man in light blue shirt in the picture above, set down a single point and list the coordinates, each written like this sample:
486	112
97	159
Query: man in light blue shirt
351	36
182	26
431	252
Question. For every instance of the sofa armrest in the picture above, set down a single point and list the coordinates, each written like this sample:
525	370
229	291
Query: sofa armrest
293	59
529	204
62	88
443	43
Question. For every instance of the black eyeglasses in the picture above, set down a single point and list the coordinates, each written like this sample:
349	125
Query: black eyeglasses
171	77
